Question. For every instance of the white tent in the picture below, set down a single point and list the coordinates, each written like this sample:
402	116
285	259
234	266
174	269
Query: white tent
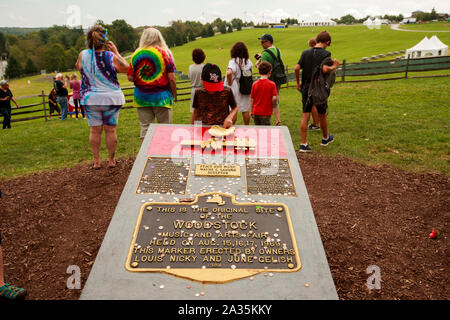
368	22
428	48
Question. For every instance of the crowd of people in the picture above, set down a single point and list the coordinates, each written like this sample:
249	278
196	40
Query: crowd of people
216	98
214	101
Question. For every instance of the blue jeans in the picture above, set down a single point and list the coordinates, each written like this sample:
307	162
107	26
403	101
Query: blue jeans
6	113
64	104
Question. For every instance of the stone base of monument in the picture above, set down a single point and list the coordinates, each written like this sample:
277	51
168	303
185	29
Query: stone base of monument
222	223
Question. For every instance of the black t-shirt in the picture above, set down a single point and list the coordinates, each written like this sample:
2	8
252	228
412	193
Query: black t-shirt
52	99
5	103
60	90
213	107
310	59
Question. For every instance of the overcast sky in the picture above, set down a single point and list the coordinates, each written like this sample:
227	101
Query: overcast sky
44	13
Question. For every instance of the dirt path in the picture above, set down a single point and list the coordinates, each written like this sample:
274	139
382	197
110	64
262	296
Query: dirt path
366	216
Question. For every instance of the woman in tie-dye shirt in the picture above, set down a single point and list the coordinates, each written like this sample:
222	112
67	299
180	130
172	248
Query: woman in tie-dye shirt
100	90
152	71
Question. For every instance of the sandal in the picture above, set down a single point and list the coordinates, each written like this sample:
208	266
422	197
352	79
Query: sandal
96	168
278	123
11	292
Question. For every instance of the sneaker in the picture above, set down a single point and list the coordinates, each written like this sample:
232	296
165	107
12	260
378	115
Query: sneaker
305	148
313	127
11	292
326	142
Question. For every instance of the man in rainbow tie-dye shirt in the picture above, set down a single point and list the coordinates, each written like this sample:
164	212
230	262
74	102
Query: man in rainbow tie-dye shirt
152	70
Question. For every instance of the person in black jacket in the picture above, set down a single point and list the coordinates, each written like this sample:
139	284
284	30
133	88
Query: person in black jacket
60	87
5	103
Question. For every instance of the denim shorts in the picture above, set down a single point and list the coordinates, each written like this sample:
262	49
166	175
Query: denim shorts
102	115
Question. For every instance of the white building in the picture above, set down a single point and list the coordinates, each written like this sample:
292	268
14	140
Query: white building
428	48
408	20
316	21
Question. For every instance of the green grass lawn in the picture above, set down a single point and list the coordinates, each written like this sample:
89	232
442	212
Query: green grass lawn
403	123
433	26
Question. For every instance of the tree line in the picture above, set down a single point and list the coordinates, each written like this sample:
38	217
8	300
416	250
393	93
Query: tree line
56	48
349	19
427	16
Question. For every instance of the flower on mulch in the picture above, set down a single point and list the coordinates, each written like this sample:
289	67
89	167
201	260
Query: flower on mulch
435	234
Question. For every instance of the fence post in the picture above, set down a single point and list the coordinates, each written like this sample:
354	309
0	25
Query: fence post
43	103
287	77
343	70
407	67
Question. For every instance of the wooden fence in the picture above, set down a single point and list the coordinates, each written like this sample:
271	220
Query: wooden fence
400	68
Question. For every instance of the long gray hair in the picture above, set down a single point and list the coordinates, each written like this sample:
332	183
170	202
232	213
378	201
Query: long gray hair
152	37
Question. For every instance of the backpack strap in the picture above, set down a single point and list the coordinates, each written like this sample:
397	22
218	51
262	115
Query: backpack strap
271	53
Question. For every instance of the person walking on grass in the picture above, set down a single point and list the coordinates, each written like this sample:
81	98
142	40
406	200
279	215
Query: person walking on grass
53	104
263	97
308	62
152	69
239	66
60	86
195	72
75	85
5	103
315	116
100	92
270	54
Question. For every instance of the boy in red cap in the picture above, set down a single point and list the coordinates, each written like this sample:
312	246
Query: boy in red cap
212	104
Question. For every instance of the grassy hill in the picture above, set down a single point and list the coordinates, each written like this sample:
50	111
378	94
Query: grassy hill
348	42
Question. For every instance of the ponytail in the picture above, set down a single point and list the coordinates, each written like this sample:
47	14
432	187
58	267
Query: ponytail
96	37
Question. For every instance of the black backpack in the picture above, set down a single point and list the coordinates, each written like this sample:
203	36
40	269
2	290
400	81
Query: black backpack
245	81
319	88
278	74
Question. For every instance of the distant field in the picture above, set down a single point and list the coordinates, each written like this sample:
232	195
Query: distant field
348	42
433	26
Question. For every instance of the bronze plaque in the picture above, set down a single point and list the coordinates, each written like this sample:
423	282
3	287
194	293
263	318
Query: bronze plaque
213	239
269	177
217	170
164	176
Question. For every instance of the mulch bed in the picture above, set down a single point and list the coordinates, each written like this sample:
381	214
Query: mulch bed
367	215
